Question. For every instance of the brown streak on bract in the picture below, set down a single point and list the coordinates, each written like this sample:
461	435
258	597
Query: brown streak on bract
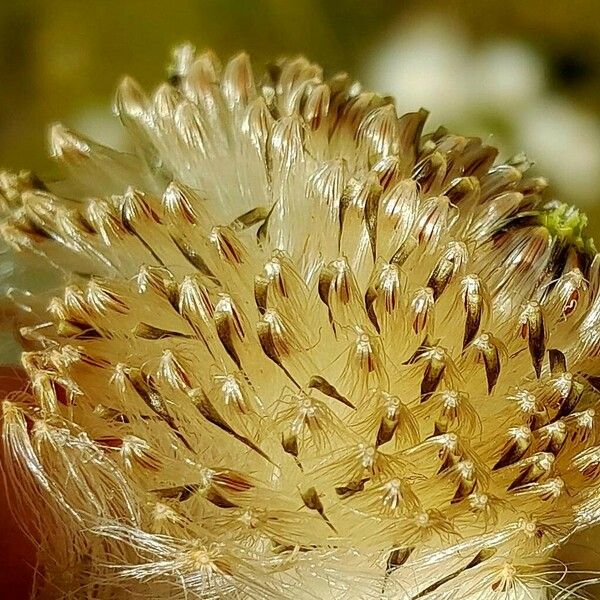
180	492
261	234
440	276
397	558
144	386
370	297
322	385
208	411
149	332
401	255
370	215
465	488
461	189
473	304
261	290
533	328
410	128
267	343
513	451
387	428
232	480
251	217
227	245
351	488
311	500
226	323
289	443
324	286
432	377
490	354
558	362
193	257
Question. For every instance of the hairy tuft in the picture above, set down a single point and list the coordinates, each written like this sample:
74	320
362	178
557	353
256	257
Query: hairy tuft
302	350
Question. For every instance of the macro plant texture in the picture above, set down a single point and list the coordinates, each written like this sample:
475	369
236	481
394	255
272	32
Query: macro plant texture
302	351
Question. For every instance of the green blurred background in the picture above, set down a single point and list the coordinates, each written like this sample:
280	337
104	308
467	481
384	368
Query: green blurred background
524	75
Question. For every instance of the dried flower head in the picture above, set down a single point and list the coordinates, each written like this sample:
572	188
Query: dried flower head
303	351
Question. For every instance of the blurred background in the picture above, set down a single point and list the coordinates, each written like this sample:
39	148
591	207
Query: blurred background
524	75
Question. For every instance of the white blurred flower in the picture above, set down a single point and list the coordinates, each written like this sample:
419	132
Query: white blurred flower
566	141
423	65
432	63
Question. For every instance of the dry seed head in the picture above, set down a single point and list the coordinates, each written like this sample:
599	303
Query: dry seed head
303	351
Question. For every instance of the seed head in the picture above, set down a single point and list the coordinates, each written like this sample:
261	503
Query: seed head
303	351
